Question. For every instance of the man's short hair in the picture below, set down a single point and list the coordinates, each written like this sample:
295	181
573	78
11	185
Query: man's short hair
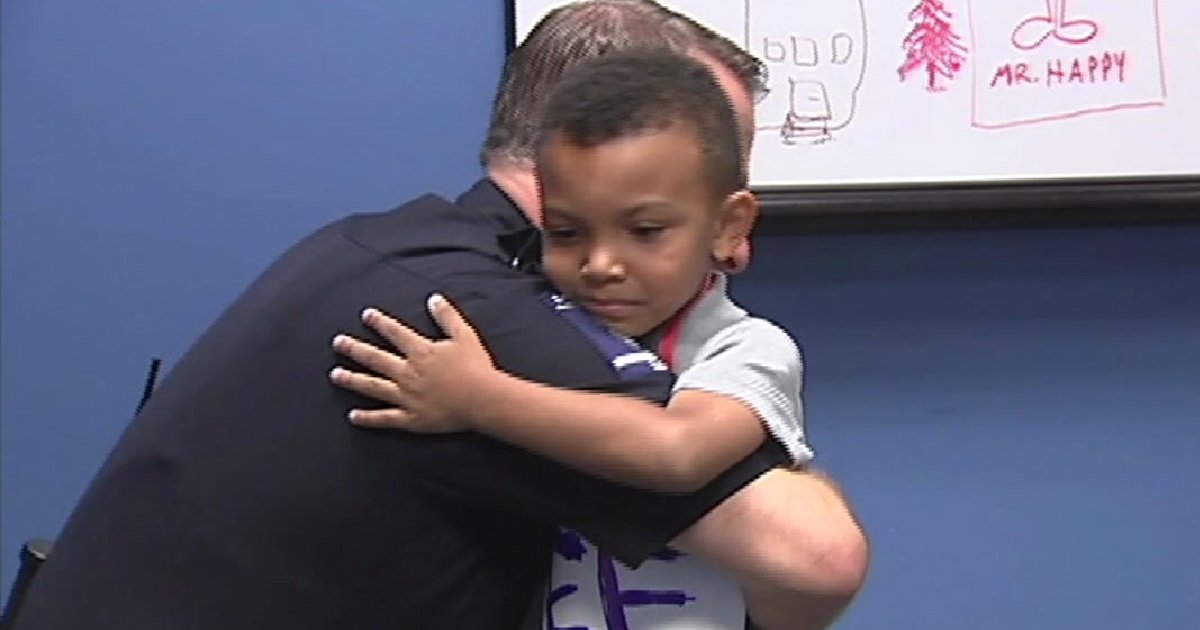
583	30
749	70
634	92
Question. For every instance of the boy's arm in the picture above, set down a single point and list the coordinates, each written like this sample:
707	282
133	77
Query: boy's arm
746	378
676	449
452	384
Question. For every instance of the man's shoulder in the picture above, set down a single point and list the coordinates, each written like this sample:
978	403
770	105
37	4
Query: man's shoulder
382	225
426	234
427	220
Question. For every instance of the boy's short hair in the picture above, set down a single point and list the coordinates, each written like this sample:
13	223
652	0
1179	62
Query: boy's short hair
645	90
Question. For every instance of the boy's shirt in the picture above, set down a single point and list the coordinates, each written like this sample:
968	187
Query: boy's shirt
713	345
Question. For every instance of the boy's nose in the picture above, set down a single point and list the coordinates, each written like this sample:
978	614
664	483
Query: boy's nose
602	265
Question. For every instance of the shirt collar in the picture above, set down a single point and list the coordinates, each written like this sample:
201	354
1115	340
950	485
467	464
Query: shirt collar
714	284
486	199
519	238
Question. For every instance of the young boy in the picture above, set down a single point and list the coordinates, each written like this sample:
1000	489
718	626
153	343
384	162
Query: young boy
643	189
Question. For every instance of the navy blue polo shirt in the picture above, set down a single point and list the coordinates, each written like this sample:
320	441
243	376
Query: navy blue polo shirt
241	498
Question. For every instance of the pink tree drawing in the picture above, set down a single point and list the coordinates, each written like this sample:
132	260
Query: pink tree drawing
932	45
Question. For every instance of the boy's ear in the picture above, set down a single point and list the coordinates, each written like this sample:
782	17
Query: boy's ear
738	214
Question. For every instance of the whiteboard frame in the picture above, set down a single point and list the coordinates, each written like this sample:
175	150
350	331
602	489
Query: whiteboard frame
1043	203
1029	203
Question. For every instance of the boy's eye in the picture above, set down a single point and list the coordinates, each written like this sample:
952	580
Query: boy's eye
648	231
560	233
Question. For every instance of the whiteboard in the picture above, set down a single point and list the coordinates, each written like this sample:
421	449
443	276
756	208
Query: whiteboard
963	91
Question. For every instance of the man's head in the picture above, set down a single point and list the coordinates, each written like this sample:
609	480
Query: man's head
642	182
583	30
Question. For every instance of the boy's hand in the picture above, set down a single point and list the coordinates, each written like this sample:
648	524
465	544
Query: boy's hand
429	384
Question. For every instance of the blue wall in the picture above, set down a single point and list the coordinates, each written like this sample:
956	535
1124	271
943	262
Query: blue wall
1011	411
1014	413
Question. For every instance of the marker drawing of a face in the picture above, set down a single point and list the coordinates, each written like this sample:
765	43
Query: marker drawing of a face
816	55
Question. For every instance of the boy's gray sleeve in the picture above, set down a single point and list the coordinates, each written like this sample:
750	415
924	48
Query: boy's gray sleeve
757	363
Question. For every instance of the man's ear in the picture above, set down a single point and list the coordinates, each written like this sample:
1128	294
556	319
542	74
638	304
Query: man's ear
737	216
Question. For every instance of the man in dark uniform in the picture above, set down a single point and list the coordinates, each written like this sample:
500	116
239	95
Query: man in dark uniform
241	498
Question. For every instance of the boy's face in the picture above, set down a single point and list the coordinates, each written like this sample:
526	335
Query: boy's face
632	226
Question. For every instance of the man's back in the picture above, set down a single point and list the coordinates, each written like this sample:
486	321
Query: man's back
242	484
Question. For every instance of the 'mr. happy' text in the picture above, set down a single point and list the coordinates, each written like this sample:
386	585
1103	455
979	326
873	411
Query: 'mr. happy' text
1105	67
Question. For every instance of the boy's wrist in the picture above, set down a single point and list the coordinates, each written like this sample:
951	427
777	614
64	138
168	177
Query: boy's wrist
487	392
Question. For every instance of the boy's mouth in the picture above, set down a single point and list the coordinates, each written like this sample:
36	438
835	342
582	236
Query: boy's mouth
611	308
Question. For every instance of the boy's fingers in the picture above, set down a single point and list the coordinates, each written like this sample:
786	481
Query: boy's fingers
404	338
380	389
450	319
381	418
369	356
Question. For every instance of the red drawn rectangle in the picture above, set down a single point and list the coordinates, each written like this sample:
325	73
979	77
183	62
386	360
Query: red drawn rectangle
1039	61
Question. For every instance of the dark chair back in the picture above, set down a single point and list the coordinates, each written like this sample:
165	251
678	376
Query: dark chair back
35	552
33	555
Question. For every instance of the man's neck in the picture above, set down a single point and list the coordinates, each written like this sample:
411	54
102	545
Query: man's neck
519	184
